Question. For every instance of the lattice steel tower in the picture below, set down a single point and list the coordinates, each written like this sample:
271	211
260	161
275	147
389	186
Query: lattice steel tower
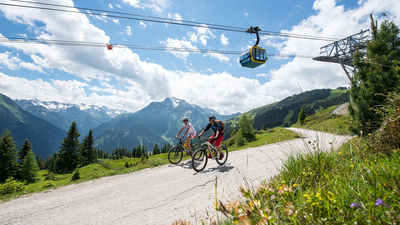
342	51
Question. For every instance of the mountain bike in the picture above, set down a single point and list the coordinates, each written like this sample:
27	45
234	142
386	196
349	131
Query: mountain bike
200	158
175	154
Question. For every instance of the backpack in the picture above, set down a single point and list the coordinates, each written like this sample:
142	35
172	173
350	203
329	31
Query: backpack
222	125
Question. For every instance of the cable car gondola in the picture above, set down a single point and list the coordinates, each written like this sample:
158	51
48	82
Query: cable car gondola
256	56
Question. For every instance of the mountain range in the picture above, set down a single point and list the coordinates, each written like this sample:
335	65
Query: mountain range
285	112
158	123
62	114
45	123
44	136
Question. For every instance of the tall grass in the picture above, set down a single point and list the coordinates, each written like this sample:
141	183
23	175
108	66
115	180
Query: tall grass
357	184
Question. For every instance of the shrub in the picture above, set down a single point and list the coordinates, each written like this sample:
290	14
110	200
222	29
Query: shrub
50	176
127	165
12	186
48	184
76	175
388	136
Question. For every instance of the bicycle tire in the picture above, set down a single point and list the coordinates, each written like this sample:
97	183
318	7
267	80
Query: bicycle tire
224	150
175	155
199	160
195	147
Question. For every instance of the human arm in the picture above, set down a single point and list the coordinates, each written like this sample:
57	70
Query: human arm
180	132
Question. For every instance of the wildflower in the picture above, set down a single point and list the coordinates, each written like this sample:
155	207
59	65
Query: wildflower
381	202
378	202
355	205
283	182
369	134
309	142
340	153
289	209
295	185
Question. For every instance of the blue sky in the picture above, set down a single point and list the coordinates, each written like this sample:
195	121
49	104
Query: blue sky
131	79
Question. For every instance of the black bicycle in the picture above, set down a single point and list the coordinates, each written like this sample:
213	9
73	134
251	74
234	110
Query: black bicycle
175	154
200	158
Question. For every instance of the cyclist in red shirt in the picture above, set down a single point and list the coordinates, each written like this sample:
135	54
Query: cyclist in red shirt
218	135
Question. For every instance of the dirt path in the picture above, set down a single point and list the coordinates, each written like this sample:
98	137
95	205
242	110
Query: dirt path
158	195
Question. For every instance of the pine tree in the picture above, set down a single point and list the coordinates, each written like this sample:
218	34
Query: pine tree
246	128
29	168
26	147
87	150
8	160
264	127
40	162
144	152
53	163
302	115
376	77
138	152
69	151
156	149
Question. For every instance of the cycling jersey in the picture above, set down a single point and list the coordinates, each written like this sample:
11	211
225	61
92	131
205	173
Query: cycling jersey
216	127
192	131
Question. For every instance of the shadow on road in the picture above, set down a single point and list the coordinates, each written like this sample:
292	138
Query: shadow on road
222	169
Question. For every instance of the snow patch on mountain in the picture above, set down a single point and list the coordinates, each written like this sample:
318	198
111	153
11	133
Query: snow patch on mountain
92	109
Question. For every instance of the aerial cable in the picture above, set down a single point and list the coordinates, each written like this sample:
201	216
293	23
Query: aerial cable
17	40
129	14
163	20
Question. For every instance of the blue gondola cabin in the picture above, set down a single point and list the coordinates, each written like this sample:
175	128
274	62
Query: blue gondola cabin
256	56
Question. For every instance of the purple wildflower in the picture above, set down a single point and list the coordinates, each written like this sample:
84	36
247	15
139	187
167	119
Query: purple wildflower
379	202
355	205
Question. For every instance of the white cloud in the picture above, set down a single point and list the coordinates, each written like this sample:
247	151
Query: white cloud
23	35
174	44
175	16
201	34
128	30
220	57
111	6
330	20
155	5
14	63
118	5
141	82
142	25
224	40
116	21
246	14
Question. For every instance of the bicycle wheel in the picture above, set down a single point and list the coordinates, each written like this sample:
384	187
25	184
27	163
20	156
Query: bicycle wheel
224	150
195	147
175	155
199	160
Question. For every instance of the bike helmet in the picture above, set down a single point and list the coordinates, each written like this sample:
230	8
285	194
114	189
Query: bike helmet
185	119
211	118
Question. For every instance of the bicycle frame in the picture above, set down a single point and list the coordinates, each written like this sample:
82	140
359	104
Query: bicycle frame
211	148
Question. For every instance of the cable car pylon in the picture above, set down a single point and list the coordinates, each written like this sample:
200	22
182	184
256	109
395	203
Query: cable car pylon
343	51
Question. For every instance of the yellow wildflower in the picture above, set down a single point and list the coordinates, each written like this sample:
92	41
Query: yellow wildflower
294	185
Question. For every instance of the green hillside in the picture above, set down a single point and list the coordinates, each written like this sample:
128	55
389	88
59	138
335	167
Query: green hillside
327	122
285	112
45	137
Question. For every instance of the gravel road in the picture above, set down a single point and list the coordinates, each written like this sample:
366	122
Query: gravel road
158	195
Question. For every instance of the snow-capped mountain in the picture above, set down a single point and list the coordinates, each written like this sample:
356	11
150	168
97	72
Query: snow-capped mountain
62	114
59	107
156	123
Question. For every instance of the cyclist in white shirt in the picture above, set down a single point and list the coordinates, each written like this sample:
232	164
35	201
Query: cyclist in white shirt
189	128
